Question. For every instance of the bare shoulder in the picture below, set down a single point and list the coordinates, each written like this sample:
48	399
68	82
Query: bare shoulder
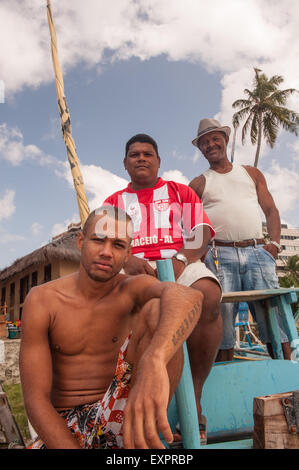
255	173
47	289
41	298
198	184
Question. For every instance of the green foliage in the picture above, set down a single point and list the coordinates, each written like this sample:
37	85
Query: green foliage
265	111
291	278
292	270
15	399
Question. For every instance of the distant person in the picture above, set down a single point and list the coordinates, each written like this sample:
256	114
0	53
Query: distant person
232	196
101	351
170	223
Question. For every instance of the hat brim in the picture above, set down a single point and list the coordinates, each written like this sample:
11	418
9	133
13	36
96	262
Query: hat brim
225	129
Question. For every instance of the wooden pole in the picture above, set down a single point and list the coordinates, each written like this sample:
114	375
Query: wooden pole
66	123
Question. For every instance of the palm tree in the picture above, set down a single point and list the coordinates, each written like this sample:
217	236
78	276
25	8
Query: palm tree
292	269
265	111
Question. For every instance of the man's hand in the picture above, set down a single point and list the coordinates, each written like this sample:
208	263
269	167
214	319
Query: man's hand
137	265
271	249
145	415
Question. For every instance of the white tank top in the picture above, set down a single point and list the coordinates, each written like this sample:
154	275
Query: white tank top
230	201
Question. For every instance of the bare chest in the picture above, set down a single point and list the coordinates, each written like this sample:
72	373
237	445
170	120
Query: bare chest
85	330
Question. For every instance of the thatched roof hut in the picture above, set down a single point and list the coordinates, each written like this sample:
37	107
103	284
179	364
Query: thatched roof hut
61	248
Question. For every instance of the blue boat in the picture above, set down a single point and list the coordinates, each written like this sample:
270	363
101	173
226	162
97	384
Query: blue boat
231	387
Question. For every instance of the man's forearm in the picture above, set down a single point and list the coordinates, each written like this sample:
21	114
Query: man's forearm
177	320
273	225
49	426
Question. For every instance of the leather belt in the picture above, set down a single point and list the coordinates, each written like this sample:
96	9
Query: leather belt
243	243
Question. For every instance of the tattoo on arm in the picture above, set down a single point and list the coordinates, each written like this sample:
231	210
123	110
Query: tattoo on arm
185	325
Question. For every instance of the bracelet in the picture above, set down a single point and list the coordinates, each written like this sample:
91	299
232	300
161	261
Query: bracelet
181	257
277	245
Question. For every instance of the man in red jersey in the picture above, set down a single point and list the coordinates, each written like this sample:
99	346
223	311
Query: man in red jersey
169	222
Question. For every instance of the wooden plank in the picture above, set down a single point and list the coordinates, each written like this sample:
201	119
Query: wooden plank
249	296
8	423
269	405
270	426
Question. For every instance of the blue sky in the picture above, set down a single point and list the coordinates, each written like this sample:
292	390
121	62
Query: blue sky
129	67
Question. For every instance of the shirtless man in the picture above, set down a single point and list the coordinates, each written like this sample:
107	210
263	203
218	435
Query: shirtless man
102	350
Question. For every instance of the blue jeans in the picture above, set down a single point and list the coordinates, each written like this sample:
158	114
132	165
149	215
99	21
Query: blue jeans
240	269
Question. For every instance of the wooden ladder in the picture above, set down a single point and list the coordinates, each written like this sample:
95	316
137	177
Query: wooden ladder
8	425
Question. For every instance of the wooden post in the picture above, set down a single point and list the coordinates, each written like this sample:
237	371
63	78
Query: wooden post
8	423
271	430
3	331
184	395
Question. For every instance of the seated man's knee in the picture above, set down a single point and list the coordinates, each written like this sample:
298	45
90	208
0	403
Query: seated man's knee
212	297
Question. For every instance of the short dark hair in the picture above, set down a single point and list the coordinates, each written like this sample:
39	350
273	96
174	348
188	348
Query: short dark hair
112	211
144	138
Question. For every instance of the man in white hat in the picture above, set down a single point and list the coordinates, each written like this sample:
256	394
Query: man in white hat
232	196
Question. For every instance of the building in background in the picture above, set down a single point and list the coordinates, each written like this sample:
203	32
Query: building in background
289	241
56	259
61	257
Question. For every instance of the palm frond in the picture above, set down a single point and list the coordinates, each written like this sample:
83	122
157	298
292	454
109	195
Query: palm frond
254	129
241	103
276	80
239	115
270	129
280	96
266	102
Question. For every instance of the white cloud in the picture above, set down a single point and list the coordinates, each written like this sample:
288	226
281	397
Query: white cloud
36	228
98	183
59	228
13	149
175	175
283	184
9	237
224	36
295	149
229	37
7	209
2	92
7	205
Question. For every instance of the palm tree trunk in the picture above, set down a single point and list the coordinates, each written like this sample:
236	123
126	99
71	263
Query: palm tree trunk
233	144
259	140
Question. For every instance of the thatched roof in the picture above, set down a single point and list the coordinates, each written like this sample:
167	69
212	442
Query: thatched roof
62	248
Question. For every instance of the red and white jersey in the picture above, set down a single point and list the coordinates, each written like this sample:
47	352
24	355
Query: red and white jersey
163	216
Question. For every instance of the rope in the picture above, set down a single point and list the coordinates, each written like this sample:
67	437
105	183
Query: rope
66	123
253	335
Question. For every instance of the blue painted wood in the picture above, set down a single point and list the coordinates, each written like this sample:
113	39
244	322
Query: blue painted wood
227	398
229	390
184	395
291	298
241	444
165	270
284	306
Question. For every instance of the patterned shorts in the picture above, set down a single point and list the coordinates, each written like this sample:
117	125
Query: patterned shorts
99	425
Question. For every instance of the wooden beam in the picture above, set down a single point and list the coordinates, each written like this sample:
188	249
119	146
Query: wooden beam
8	423
270	425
